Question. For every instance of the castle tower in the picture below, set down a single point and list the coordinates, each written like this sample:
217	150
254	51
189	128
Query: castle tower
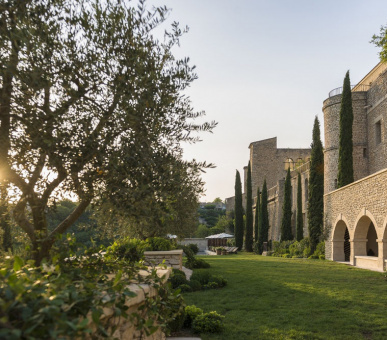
331	110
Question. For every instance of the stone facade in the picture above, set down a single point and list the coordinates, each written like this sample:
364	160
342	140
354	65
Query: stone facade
270	163
356	215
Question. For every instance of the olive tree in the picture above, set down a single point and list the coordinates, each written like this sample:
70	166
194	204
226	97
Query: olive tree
91	106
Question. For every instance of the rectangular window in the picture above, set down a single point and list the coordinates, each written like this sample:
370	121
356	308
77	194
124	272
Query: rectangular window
365	152
378	132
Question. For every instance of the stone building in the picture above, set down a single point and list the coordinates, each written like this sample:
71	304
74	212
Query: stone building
270	163
355	216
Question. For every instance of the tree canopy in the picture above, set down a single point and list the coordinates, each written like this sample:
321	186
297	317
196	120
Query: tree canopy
91	105
381	41
239	224
286	221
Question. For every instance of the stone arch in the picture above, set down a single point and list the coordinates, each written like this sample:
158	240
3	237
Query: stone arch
365	235
341	249
289	163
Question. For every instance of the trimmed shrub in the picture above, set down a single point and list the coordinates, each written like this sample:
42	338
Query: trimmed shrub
211	322
195	285
185	288
191	313
131	250
196	264
177	280
158	244
203	276
211	285
322	257
219	280
194	248
176	271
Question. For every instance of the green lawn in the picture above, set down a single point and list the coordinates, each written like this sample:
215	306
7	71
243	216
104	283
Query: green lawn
276	298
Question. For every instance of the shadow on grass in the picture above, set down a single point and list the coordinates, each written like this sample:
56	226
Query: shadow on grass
274	298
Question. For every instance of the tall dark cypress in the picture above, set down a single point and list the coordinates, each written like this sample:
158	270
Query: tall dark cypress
257	213
238	212
316	188
249	213
300	221
286	222
263	232
345	171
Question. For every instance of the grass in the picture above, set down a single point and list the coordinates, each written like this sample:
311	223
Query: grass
277	298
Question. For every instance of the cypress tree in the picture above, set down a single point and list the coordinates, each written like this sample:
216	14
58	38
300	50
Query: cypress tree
300	222
257	213
316	188
286	223
249	213
263	232
238	212
345	171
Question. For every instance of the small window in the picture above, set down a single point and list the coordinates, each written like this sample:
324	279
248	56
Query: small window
378	132
365	152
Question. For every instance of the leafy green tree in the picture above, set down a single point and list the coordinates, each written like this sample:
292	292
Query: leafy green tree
381	41
286	222
202	231
93	106
249	213
238	212
316	188
345	171
263	230
257	215
217	200
300	221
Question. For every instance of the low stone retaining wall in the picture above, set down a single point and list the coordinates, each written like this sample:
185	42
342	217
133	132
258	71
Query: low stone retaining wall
125	329
173	258
367	262
202	243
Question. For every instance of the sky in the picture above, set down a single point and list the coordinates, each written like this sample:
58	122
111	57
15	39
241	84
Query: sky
265	67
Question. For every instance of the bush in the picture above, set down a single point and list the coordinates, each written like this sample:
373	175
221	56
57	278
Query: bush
177	280
195	285
131	250
210	285
256	248
196	264
194	248
321	257
211	322
176	271
52	301
219	280
203	276
191	313
158	244
185	288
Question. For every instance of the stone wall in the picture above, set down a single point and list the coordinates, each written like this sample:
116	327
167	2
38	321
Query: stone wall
200	242
365	198
173	258
125	328
268	162
377	112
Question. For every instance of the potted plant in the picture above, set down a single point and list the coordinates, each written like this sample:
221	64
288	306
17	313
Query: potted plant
219	250
224	251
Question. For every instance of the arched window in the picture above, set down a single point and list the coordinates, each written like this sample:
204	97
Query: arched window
289	164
